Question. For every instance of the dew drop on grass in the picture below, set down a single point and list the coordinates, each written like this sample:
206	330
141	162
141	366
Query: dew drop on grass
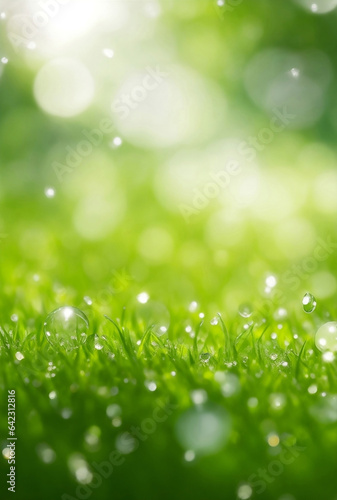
87	300
214	321
245	310
66	327
205	357
326	337
309	303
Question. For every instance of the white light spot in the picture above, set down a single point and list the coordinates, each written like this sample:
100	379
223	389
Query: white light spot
109	53
193	306
295	72
189	456
328	357
244	492
143	297
49	192
64	87
271	281
116	142
52	395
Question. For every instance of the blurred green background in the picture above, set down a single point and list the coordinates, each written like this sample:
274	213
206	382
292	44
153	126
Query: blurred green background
122	207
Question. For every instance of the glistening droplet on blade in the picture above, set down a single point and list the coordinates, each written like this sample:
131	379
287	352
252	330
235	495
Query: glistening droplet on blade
66	327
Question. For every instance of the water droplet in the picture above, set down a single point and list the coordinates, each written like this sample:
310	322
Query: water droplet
15	318
97	344
274	356
66	327
214	321
109	53
205	357
19	356
245	310
309	303
326	337
4	60
87	300
203	429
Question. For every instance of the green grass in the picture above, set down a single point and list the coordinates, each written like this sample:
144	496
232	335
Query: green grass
62	395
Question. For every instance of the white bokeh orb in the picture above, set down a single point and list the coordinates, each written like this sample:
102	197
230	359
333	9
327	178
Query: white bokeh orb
317	6
64	87
292	84
167	106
